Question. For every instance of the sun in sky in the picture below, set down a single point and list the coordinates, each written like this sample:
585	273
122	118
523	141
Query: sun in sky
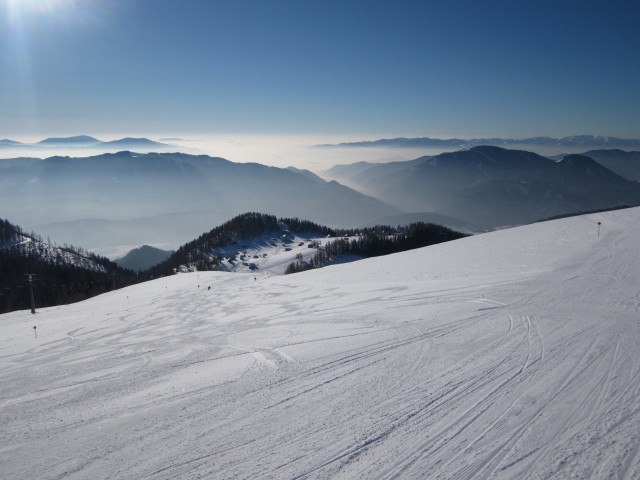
28	17
43	6
17	10
30	32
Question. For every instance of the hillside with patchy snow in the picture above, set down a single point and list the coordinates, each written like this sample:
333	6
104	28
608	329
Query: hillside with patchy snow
60	275
27	245
509	355
269	253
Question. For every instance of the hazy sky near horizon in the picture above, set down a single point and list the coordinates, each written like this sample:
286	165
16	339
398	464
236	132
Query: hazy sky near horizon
352	69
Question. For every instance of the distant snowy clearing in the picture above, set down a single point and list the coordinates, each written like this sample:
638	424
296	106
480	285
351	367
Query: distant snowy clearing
511	355
269	253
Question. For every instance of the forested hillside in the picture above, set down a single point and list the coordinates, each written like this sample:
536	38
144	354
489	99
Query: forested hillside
377	241
61	275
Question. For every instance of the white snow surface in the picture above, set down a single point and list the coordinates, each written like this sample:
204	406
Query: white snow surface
269	253
510	355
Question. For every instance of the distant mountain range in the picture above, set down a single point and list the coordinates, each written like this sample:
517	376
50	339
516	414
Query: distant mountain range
114	202
625	164
85	142
79	140
129	199
143	258
578	141
492	187
7	142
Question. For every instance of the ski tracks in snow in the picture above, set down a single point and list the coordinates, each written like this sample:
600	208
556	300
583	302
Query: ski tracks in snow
530	374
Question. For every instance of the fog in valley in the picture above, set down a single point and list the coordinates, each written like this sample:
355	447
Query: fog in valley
300	151
110	201
111	211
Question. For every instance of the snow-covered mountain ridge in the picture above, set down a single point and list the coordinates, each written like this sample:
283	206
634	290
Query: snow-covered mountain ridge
509	355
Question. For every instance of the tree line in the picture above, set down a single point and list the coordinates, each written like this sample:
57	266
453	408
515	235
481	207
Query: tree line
377	241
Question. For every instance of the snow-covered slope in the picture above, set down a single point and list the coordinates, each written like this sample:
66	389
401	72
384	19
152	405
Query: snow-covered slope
269	253
512	354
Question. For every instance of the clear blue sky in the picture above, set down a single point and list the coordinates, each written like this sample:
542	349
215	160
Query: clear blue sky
369	68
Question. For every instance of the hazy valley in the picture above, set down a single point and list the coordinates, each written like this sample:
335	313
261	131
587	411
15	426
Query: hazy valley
111	203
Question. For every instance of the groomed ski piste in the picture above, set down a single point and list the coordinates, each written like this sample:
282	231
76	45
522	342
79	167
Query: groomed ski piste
510	355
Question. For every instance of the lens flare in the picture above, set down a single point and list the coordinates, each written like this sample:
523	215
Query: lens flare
40	13
41	6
